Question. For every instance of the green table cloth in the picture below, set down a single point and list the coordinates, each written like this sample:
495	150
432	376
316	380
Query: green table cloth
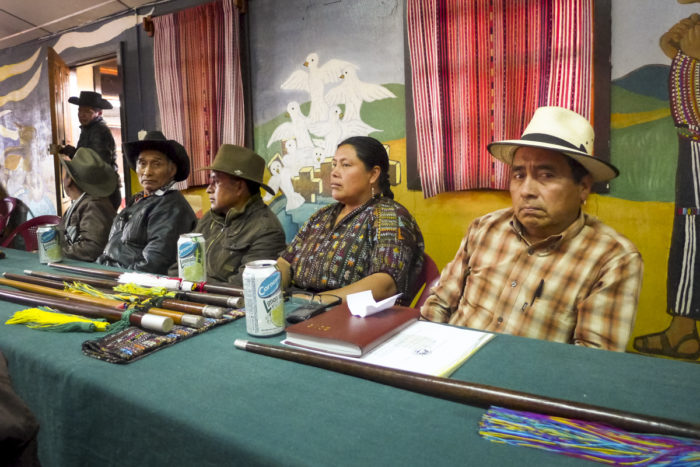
202	402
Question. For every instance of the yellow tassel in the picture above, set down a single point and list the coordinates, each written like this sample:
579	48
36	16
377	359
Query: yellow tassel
37	318
81	288
150	291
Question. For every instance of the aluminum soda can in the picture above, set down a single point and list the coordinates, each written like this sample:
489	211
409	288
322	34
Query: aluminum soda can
264	303
49	244
192	257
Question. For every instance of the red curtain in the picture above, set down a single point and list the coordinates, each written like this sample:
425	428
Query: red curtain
198	81
480	68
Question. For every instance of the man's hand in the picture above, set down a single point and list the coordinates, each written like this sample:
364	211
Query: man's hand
67	150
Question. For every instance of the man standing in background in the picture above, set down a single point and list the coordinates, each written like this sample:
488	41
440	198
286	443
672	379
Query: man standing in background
94	133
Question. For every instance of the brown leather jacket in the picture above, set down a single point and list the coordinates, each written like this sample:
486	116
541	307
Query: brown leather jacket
86	231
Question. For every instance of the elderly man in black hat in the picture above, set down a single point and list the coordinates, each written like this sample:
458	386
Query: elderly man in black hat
87	180
94	133
239	227
543	268
144	234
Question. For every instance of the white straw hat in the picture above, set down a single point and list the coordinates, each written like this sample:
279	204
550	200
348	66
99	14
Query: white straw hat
561	130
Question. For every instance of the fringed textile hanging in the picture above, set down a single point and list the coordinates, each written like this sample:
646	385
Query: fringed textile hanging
480	68
196	55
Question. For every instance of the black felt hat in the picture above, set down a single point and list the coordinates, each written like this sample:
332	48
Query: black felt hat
90	99
157	141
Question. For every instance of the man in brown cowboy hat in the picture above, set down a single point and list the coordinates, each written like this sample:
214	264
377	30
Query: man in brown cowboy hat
239	227
543	268
94	133
144	234
87	180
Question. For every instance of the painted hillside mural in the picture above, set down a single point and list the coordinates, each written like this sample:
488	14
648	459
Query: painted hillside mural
655	130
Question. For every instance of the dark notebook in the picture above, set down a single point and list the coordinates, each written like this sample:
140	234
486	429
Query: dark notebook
337	331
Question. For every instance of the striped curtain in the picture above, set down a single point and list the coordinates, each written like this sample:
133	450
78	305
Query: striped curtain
480	68
198	81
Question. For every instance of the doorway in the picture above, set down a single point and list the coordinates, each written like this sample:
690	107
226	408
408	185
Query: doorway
101	76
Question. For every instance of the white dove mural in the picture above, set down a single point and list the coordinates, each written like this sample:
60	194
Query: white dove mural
334	130
353	92
281	179
298	128
313	81
296	157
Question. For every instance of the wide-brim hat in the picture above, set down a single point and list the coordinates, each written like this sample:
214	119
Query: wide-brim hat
157	141
240	162
561	130
92	174
90	99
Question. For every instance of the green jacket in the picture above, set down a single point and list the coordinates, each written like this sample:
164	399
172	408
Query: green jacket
238	238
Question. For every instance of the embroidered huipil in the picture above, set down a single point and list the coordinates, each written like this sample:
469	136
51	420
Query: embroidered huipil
580	287
379	236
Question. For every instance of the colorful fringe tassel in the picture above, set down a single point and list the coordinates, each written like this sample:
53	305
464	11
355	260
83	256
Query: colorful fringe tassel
45	320
585	440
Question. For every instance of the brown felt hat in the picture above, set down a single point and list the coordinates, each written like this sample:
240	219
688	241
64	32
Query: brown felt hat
240	162
91	173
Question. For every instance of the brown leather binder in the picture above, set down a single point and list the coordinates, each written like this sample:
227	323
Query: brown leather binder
337	331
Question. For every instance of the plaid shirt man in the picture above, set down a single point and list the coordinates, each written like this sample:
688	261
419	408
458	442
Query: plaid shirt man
580	286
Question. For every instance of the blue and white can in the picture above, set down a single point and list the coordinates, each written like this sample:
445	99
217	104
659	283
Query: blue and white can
264	302
192	257
49	244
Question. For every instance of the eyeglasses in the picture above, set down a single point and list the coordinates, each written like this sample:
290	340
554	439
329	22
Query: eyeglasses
308	304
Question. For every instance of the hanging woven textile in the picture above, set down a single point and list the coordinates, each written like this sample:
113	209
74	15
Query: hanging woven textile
198	81
480	68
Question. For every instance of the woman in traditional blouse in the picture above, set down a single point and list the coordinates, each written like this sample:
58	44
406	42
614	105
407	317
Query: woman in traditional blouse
365	241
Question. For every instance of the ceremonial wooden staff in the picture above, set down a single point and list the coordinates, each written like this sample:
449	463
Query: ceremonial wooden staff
478	394
167	303
226	301
143	320
183	319
119	276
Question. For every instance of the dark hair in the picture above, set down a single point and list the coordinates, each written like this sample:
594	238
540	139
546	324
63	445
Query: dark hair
578	171
253	187
371	152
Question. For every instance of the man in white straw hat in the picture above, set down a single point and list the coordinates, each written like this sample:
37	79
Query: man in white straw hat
543	268
88	181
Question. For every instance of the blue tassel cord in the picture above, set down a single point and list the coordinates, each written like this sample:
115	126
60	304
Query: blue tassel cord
586	440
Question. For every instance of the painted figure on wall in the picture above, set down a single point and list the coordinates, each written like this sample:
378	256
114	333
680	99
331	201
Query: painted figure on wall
680	340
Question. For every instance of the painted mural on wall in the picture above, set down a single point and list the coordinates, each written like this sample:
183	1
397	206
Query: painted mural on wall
322	82
656	145
26	166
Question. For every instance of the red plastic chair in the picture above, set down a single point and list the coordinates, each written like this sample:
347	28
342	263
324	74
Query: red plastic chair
28	231
6	207
429	275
